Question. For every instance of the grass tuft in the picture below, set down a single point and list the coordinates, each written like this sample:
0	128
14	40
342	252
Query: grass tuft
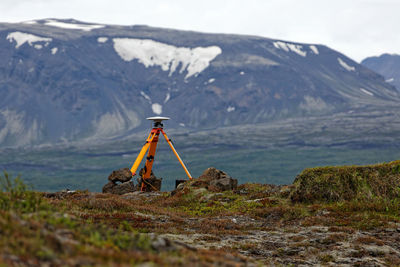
344	183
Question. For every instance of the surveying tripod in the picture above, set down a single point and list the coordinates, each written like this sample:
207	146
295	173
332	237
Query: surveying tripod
151	145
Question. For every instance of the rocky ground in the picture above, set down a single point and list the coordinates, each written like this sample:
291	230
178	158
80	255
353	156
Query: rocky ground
204	223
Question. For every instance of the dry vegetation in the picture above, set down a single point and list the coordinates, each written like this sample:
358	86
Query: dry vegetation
336	215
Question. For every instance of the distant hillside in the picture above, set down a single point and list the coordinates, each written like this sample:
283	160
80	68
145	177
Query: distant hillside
388	65
65	80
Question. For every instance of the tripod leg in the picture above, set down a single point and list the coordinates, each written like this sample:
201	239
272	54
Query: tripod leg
150	156
176	154
150	159
141	154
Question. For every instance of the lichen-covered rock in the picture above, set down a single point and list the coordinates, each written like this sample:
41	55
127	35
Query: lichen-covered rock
223	184
151	184
119	189
216	180
211	179
212	173
122	175
141	173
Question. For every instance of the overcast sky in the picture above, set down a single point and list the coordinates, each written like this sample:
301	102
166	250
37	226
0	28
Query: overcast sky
357	28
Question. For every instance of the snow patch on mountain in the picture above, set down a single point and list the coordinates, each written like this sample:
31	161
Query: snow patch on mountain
230	109
390	80
145	96
281	45
29	22
297	49
314	49
168	57
157	108
345	65
54	50
20	38
73	26
290	47
167	97
102	39
366	92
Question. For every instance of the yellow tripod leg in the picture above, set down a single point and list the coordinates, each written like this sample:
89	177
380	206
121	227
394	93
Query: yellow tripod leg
151	156
176	154
150	160
141	154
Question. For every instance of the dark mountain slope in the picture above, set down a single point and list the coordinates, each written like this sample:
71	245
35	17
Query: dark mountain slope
65	80
388	65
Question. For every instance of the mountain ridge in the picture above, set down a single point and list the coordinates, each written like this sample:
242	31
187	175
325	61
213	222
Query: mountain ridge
99	82
388	65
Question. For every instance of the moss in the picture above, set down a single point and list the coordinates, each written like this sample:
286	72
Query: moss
15	195
330	184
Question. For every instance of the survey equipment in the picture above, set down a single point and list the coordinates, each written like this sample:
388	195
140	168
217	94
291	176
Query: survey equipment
151	146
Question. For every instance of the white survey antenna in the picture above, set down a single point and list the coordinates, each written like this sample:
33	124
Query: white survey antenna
157	119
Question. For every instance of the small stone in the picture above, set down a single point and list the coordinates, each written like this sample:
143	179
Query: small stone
377	251
199	191
224	184
132	195
161	243
322	212
211	179
390	230
107	188
181	186
213	174
119	189
151	184
122	175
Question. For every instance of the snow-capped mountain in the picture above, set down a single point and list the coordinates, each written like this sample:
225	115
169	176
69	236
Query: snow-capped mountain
388	65
65	80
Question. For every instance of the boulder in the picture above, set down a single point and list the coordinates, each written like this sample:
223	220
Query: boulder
152	184
141	173
223	184
119	189
213	174
216	180
122	175
211	179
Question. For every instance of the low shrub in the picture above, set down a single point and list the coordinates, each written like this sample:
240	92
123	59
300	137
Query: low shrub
331	184
15	195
